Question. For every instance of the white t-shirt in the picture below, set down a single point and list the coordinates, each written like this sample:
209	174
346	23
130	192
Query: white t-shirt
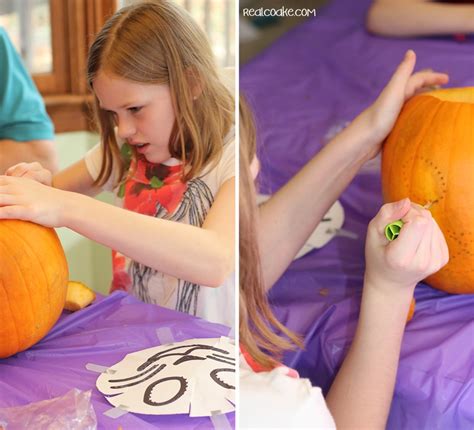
276	400
153	190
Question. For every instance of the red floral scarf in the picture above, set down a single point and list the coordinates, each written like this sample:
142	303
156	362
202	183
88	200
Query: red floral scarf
146	187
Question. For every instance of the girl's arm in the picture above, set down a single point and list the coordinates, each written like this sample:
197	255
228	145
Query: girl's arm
287	219
76	178
296	209
409	18
361	394
201	255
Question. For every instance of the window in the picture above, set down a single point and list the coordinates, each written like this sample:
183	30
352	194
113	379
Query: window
53	37
22	24
217	19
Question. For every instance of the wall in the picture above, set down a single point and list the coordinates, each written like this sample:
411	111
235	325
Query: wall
88	261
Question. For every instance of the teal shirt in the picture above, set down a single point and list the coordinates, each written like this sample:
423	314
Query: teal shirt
23	116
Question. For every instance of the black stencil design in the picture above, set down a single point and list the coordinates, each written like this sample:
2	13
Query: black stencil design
219	381
183	385
194	205
134	380
149	370
226	360
188	351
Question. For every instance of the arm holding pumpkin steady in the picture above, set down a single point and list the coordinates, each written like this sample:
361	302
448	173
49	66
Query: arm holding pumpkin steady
410	18
290	216
201	255
75	178
361	394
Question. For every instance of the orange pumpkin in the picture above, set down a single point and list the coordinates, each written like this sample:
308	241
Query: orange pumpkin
429	157
33	280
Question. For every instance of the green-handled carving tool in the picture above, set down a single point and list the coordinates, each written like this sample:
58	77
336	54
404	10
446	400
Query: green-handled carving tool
392	230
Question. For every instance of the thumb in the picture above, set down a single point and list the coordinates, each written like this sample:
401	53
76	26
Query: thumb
404	69
391	212
400	77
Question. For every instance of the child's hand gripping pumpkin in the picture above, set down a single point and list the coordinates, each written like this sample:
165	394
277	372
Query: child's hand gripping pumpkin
380	117
33	171
419	251
26	199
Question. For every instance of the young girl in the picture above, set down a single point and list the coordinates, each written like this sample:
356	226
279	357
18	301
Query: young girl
167	152
272	395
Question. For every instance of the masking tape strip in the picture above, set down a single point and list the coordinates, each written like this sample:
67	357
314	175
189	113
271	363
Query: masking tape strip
165	335
98	368
220	421
342	233
116	412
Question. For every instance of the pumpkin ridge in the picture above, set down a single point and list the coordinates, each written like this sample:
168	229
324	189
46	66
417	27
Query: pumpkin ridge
394	152
418	146
443	201
49	234
23	282
389	161
449	173
17	338
452	240
59	253
46	280
9	306
25	333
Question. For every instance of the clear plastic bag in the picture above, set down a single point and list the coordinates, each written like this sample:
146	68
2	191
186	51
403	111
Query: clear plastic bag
73	411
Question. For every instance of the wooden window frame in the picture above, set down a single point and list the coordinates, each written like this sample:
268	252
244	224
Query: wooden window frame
74	24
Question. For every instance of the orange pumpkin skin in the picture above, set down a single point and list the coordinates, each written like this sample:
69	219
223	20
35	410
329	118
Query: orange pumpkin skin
33	280
411	310
429	157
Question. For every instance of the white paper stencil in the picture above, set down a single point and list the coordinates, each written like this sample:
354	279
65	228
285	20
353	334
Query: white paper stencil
324	231
195	377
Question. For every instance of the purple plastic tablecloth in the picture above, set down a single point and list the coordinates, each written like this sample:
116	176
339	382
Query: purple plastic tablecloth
102	334
305	87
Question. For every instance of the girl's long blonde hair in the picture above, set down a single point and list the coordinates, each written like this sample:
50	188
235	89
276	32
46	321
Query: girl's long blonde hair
159	43
257	322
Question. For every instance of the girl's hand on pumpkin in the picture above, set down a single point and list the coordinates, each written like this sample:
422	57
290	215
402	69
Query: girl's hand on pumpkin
419	251
28	200
33	171
380	117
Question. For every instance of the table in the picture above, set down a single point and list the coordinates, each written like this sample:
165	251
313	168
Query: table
103	334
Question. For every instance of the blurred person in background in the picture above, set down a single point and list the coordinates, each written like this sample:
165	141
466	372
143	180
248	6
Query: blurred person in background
411	18
26	131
